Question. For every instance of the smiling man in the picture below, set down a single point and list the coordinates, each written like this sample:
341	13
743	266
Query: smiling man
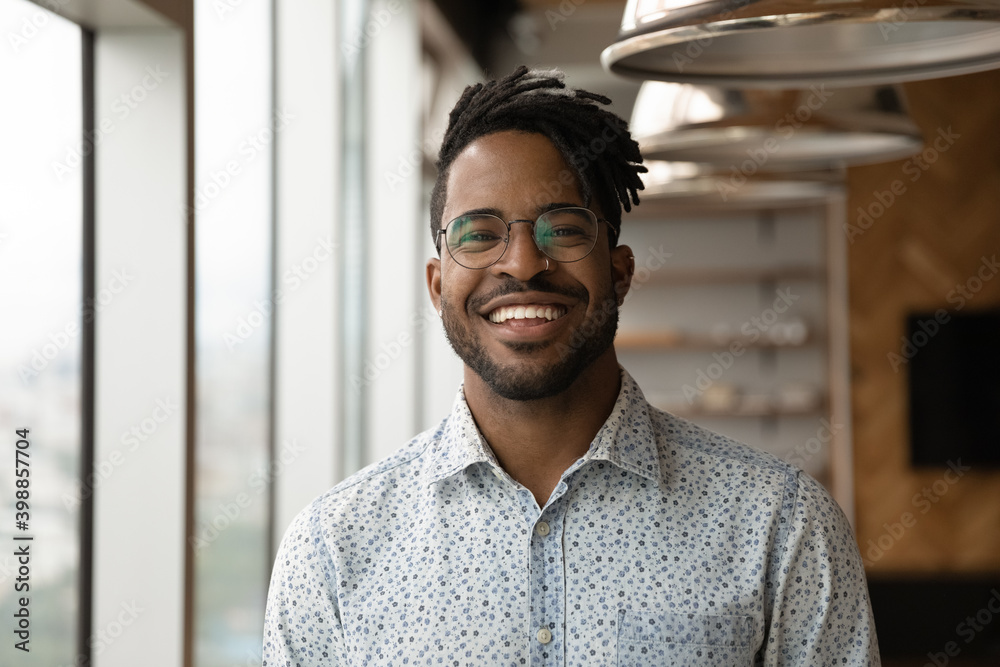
555	517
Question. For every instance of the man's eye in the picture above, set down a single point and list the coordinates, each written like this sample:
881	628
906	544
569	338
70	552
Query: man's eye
478	236
565	236
568	230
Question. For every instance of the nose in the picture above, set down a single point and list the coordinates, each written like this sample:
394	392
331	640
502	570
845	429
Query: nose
522	259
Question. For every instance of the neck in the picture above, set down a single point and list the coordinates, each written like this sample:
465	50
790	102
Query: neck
536	441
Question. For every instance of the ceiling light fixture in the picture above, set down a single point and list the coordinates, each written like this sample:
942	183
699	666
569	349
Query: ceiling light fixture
815	128
798	43
690	186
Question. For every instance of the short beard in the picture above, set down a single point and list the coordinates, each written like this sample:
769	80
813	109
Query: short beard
590	340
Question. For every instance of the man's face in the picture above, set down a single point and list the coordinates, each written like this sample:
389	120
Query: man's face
518	176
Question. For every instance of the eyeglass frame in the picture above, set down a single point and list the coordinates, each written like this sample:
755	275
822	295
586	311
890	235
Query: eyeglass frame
506	241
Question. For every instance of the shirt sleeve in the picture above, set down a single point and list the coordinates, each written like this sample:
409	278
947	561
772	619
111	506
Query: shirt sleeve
820	611
302	625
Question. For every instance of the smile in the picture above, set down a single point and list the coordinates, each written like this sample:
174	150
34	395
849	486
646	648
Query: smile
526	312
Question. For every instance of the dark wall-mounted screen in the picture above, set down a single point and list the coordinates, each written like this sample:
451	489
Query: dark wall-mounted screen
954	381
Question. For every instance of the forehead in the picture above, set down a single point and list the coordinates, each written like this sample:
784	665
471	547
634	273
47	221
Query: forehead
514	172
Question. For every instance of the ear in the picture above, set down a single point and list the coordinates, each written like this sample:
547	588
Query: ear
434	281
622	270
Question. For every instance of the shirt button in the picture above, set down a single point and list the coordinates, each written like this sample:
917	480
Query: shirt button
542	529
544	636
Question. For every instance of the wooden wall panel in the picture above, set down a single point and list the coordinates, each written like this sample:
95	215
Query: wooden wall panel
942	221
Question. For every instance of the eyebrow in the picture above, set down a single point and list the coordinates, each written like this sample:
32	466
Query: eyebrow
539	210
557	204
481	211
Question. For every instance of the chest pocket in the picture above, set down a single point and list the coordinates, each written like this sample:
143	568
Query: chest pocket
647	639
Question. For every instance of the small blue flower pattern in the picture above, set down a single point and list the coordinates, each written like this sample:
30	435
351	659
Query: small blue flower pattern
665	544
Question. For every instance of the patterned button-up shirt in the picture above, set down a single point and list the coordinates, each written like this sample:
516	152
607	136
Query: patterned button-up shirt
665	544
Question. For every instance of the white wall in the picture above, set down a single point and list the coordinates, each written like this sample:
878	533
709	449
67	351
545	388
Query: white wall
394	270
139	509
307	170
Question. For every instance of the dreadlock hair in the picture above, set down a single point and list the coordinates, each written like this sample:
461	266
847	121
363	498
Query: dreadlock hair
538	101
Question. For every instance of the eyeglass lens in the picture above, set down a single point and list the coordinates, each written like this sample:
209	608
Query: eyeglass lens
479	240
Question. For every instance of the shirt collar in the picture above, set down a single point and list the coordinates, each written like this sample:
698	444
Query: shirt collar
458	445
627	439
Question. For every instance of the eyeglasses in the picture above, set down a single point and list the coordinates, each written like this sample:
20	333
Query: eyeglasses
479	240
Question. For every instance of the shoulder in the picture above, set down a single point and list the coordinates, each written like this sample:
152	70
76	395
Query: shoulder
694	446
770	491
656	443
703	457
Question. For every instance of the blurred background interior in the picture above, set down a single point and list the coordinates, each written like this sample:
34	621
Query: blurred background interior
213	228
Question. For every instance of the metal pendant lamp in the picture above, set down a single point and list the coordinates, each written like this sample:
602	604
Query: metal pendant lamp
815	128
798	43
690	186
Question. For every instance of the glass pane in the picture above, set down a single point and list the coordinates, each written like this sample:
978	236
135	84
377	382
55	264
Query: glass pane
233	166
41	301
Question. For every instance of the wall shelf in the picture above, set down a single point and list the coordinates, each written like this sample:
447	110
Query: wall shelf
691	411
725	280
673	340
764	274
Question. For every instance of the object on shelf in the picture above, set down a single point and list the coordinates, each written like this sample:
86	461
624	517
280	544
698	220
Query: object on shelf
796	332
720	397
779	334
773	130
731	400
797	397
756	404
664	338
804	43
792	332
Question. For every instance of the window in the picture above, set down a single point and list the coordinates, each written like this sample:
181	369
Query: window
235	302
41	253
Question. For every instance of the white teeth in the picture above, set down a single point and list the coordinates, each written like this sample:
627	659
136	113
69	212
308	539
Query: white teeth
505	313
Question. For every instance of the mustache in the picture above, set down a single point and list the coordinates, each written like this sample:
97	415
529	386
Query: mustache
536	284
